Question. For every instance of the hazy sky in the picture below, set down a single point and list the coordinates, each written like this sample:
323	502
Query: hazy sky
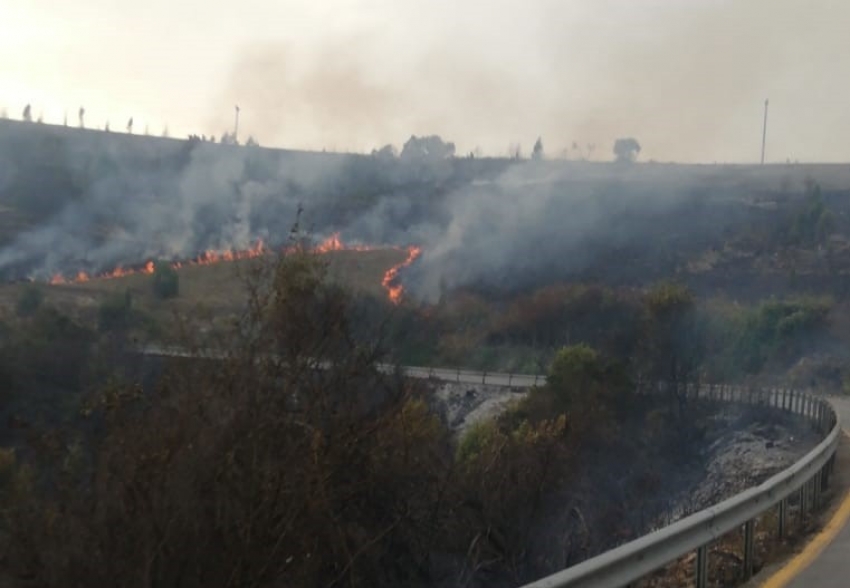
687	78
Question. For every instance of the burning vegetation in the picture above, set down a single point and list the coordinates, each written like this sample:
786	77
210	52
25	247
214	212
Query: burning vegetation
390	282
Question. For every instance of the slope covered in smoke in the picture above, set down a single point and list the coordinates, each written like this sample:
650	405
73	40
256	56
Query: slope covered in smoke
94	201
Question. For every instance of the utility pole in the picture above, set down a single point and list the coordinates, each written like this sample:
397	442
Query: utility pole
236	125
764	132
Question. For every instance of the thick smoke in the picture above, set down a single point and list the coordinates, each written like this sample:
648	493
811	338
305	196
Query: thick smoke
494	224
136	209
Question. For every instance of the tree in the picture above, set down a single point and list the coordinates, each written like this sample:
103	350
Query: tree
427	148
27	116
81	114
166	282
814	222
388	151
588	389
537	151
212	477
673	342
626	149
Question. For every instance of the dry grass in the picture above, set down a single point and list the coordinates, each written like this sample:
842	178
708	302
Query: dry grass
209	294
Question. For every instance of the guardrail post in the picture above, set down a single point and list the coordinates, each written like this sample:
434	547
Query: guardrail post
483	377
702	567
749	534
510	377
783	518
816	490
458	375
804	501
815	493
535	379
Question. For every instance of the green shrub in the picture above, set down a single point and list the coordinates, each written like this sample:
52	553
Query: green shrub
475	439
777	329
29	301
166	282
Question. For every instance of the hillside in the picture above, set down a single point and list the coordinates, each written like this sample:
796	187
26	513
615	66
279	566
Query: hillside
605	277
210	296
76	200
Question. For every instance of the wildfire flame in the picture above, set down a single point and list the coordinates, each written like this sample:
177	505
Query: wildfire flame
390	281
394	289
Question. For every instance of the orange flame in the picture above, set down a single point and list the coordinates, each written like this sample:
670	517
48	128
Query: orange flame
395	290
333	243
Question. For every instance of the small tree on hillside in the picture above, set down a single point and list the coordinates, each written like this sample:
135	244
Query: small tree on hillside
537	152
166	282
626	149
673	343
590	390
432	147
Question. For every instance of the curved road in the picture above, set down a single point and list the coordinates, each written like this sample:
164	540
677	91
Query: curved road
831	569
443	374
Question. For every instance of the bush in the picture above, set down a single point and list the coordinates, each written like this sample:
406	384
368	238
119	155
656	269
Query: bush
115	313
777	330
48	348
29	301
166	282
218	471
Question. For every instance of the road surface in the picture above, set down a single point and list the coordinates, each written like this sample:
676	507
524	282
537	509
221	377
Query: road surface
831	569
441	374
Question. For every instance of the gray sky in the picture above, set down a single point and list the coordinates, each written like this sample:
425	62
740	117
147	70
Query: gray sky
687	78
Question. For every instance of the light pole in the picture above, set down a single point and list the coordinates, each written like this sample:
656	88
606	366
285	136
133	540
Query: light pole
236	125
764	132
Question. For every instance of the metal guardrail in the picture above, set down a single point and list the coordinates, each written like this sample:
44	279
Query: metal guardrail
500	379
808	477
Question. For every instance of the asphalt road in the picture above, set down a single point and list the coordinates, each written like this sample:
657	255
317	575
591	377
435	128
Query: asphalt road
439	374
832	567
